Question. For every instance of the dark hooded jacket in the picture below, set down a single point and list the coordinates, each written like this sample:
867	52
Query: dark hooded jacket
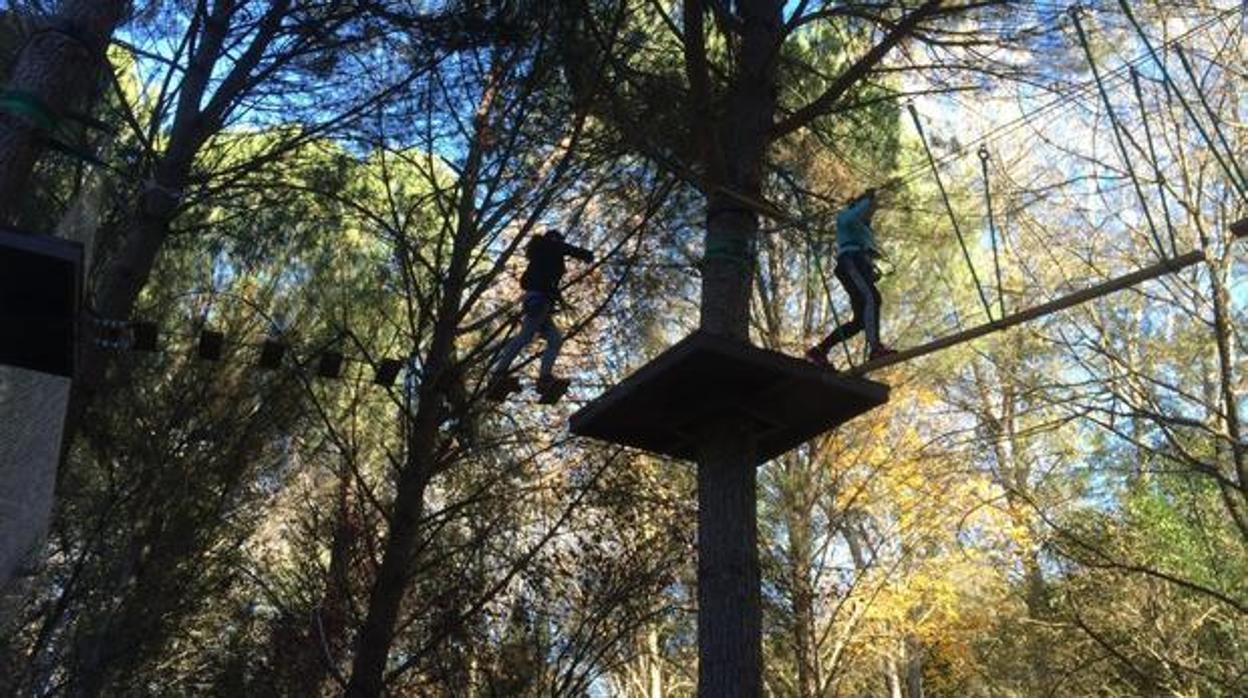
546	255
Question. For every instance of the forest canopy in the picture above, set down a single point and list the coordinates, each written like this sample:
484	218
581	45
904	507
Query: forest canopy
284	465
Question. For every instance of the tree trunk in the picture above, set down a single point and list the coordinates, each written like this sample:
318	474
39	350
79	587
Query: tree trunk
377	635
58	69
373	643
654	667
729	606
914	667
128	271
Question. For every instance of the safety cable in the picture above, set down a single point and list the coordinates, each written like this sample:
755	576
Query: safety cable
992	226
1213	117
1187	107
1075	11
953	218
1155	161
1063	101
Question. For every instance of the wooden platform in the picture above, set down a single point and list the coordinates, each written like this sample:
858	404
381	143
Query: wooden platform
40	293
663	405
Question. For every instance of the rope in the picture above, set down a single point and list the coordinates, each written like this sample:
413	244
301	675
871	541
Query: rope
736	249
1063	101
827	289
1116	128
1156	163
1187	107
30	108
992	227
966	254
1213	117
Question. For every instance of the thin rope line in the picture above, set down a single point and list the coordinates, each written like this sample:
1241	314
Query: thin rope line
953	218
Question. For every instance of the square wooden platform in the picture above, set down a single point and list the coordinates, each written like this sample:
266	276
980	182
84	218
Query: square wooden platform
40	290
663	405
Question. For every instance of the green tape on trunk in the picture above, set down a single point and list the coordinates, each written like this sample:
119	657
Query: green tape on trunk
733	249
28	107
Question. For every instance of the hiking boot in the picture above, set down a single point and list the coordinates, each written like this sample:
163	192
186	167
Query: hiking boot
546	384
880	352
818	358
550	389
501	387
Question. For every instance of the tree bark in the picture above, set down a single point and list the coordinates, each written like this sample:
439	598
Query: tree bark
58	68
729	606
377	634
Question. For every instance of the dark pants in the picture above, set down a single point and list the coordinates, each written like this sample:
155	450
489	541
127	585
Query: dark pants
856	274
539	309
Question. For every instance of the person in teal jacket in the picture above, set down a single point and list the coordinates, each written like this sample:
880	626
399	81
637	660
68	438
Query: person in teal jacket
855	250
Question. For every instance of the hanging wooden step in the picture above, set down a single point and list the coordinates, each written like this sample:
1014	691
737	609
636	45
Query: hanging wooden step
40	295
666	404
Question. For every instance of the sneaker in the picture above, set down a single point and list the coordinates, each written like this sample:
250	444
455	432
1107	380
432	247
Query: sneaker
880	352
818	358
501	387
546	384
550	389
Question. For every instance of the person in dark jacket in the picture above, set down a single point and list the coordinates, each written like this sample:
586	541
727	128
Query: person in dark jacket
855	251
541	279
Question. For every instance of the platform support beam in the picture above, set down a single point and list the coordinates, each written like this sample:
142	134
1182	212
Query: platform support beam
729	602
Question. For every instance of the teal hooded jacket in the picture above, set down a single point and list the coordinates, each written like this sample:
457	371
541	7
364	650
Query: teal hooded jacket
853	233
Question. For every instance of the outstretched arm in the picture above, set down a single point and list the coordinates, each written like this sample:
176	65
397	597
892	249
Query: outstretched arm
578	252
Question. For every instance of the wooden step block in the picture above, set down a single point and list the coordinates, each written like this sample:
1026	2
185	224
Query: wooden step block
40	297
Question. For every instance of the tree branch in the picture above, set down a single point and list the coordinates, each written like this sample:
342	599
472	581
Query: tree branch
854	73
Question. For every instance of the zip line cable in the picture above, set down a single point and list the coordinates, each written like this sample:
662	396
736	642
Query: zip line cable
953	218
1116	128
992	226
1213	117
1155	161
1187	107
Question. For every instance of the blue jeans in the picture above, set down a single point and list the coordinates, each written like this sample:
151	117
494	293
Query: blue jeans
539	309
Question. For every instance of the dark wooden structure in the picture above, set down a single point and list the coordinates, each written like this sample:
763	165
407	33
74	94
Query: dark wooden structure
40	298
665	405
211	345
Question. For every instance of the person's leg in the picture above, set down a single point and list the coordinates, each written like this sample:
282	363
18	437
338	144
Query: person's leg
858	273
528	330
856	301
554	341
877	303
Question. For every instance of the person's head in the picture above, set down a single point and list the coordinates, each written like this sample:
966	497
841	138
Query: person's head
868	196
554	234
